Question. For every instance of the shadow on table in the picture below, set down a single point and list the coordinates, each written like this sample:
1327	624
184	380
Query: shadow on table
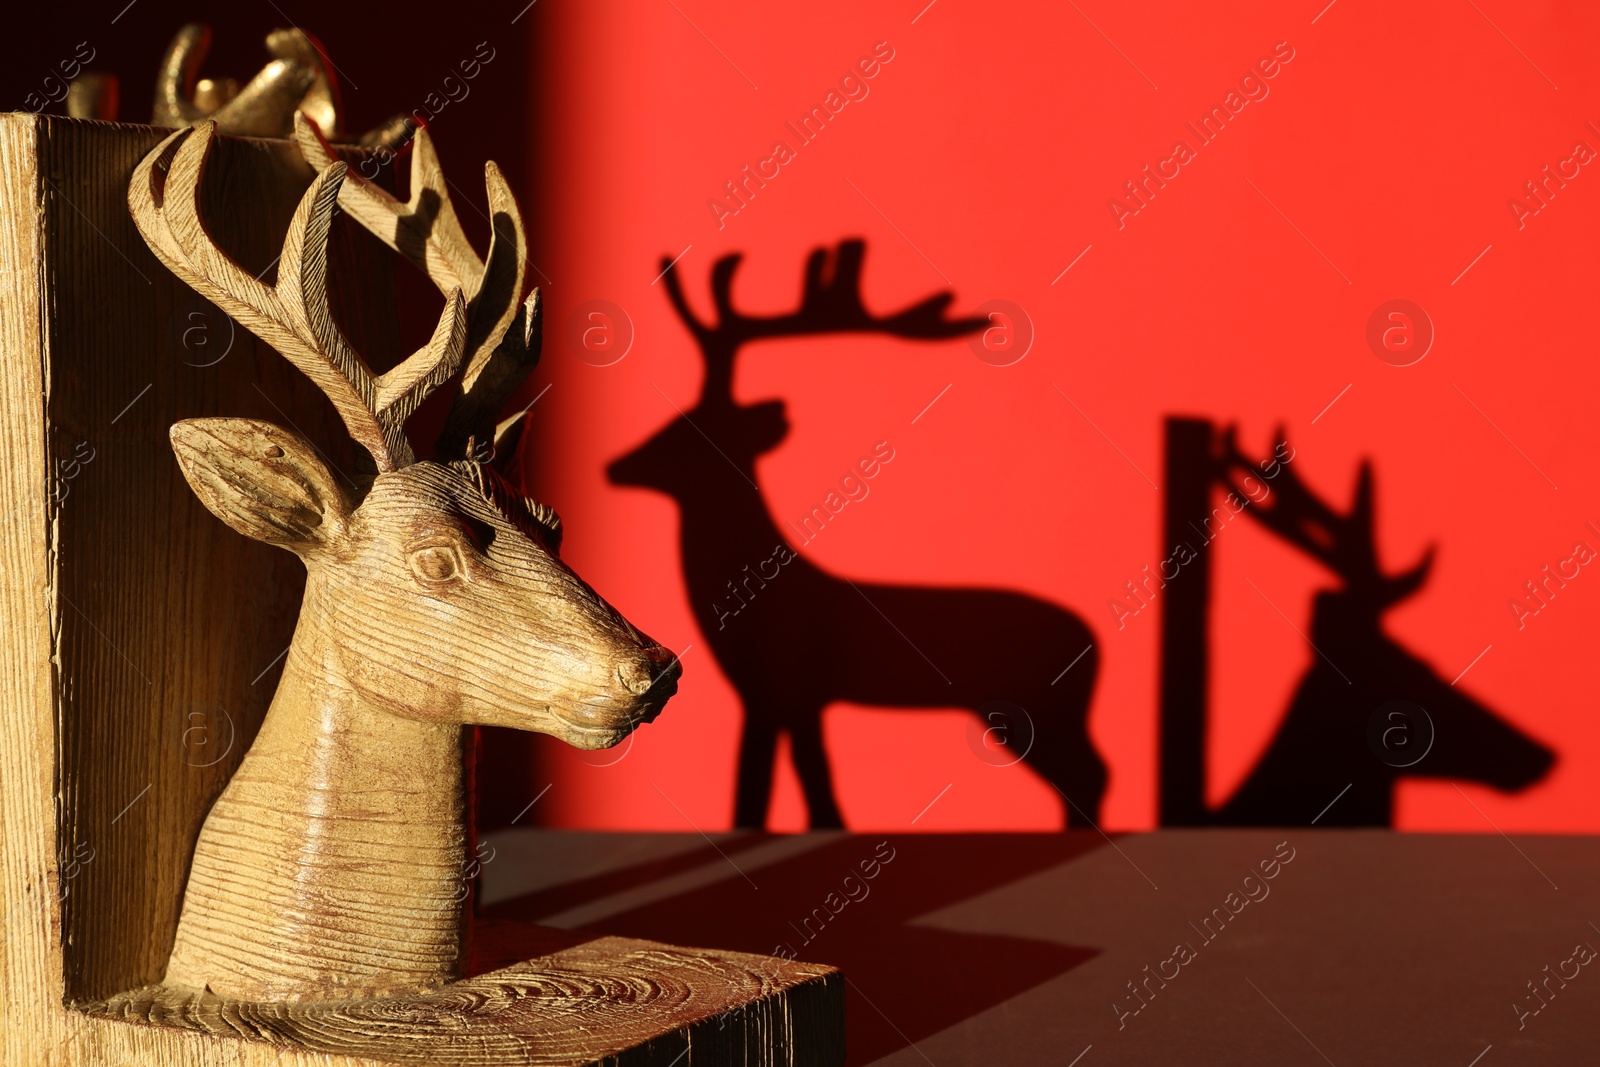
904	980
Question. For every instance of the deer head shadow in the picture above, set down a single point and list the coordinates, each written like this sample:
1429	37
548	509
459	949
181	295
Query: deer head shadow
792	637
1368	712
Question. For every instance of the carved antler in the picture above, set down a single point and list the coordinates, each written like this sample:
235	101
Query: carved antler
293	316
829	303
502	345
1345	543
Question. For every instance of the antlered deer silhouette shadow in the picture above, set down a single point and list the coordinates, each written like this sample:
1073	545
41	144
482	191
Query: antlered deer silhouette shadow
806	638
1327	741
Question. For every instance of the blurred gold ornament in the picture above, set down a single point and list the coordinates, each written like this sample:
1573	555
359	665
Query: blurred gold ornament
299	77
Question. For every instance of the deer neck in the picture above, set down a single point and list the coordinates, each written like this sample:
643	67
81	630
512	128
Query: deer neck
332	865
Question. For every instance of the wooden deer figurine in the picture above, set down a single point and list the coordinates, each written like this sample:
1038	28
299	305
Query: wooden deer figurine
331	866
1323	744
805	638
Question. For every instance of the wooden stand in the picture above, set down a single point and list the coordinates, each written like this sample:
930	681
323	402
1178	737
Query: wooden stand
613	1000
144	640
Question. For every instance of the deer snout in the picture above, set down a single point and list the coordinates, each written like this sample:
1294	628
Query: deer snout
639	684
651	677
635	677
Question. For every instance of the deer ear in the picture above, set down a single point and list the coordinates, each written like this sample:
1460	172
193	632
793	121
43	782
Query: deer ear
262	480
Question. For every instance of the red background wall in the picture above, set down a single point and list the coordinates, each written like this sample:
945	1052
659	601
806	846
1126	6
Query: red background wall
990	146
1380	166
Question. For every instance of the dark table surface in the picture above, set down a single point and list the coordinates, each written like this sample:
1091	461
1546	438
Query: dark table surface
1364	947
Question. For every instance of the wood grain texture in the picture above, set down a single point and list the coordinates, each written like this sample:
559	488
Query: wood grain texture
615	1001
31	953
151	703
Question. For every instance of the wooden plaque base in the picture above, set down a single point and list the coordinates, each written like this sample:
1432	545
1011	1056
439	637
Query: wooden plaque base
611	1000
143	640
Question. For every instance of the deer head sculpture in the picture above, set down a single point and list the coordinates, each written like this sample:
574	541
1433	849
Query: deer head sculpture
1324	744
332	865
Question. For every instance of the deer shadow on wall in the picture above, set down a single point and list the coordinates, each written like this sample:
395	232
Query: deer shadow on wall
1367	713
793	637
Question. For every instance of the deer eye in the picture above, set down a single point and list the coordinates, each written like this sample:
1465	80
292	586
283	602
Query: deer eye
435	564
